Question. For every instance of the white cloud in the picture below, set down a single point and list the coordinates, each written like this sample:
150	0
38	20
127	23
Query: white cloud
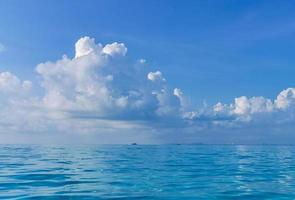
184	103
155	76
10	83
96	93
177	92
245	106
95	83
115	49
85	46
27	85
219	107
256	109
285	99
142	61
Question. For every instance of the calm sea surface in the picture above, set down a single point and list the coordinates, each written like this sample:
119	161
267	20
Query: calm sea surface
147	172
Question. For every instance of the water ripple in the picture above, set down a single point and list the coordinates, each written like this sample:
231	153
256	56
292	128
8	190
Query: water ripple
147	172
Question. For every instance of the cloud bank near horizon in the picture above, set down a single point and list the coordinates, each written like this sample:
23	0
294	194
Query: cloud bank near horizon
99	91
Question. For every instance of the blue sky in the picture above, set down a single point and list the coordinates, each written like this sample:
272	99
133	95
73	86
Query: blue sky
215	51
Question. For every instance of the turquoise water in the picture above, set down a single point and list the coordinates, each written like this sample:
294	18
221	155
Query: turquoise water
147	172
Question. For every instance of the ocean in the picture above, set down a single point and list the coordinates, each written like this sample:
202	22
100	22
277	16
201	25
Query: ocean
147	172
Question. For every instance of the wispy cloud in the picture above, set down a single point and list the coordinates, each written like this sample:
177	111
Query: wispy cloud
2	47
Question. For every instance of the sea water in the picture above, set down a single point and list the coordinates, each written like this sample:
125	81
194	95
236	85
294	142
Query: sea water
147	172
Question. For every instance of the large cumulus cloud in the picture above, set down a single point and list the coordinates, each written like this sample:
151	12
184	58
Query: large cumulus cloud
99	82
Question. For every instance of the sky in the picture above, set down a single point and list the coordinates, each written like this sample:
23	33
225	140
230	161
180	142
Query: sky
216	71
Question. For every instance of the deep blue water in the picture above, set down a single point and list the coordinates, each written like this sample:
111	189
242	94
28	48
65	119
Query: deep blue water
147	172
